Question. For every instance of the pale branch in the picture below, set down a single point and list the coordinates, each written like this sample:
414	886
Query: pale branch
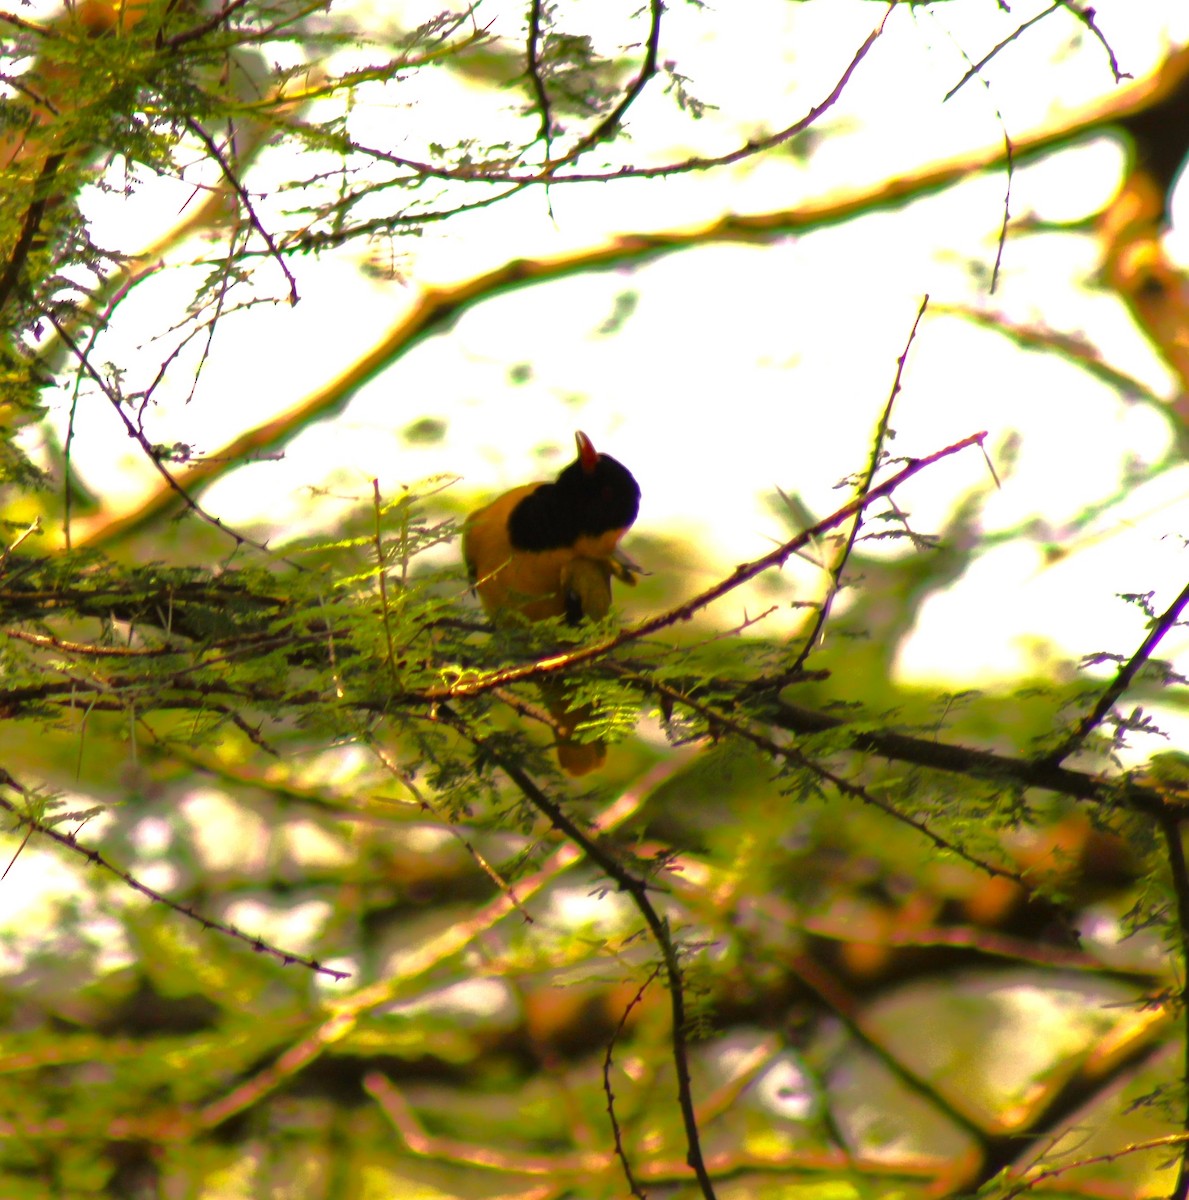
849	1013
1019	1187
341	1016
555	1166
1070	348
966	939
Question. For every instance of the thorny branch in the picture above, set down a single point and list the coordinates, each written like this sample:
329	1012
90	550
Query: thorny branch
138	435
633	1187
1121	681
864	485
1172	1140
246	200
719	720
611	122
533	58
1086	14
499	173
195	32
96	859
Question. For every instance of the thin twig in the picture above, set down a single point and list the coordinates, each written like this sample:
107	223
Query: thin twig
976	68
1086	16
873	462
138	435
981	764
426	805
1158	1143
633	1187
89	650
611	122
98	326
1009	152
1009	156
208	26
381	577
246	200
45	31
96	859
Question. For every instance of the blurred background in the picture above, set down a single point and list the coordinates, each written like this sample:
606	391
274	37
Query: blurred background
295	250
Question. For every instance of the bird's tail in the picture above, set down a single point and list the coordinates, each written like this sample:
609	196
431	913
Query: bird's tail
580	758
574	757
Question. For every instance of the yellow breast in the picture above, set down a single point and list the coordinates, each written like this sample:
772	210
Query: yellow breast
533	583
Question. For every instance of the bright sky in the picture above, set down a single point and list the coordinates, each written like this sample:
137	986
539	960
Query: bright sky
742	369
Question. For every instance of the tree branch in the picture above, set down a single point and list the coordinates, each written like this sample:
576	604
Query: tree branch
29	227
873	463
1121	681
683	612
637	890
285	957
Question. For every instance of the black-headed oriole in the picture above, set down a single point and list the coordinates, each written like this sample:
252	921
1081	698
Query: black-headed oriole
549	550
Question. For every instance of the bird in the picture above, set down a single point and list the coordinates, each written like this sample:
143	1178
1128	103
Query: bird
550	549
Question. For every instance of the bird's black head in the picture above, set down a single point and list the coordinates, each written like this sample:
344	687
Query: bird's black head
592	496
